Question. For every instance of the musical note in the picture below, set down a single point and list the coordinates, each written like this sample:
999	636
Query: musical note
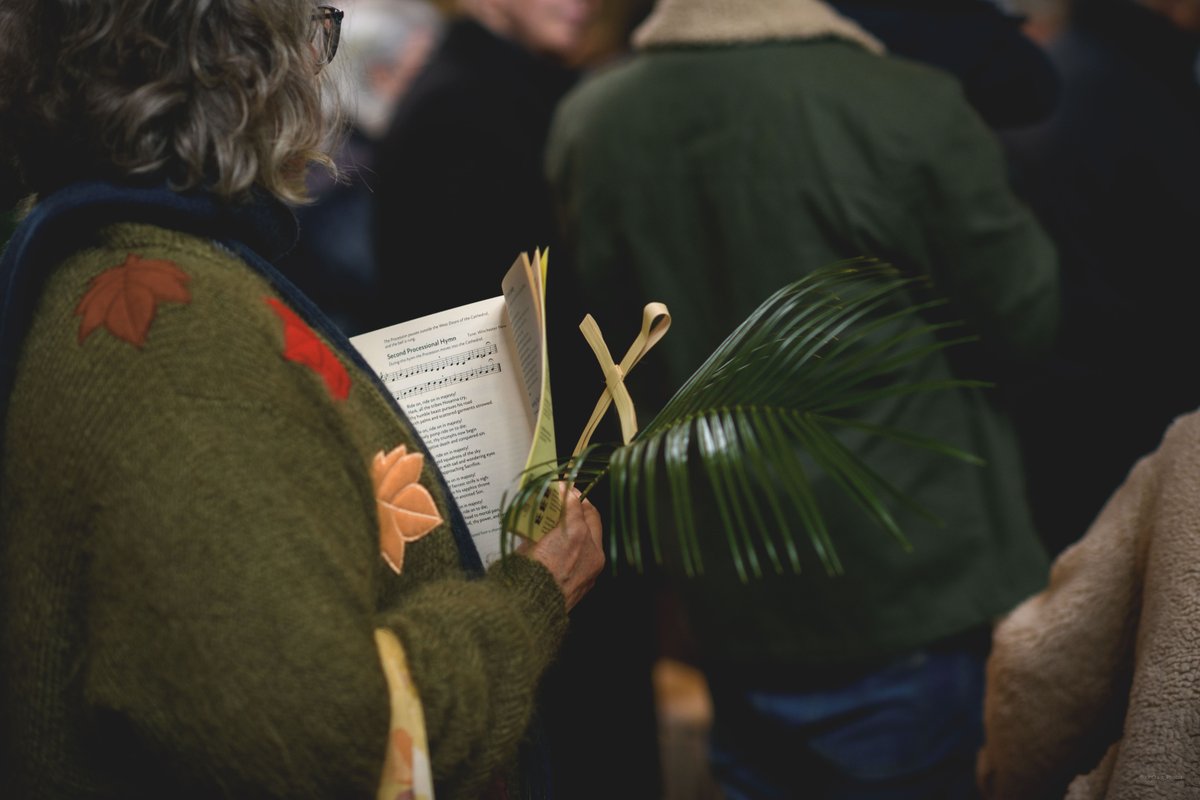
490	368
440	363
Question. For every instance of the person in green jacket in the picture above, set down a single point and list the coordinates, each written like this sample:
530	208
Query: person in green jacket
227	566
742	146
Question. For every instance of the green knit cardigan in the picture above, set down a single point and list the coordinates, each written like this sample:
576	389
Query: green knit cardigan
189	560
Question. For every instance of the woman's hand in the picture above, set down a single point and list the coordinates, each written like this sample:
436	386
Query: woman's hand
572	551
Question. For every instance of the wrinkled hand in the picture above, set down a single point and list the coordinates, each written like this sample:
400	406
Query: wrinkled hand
572	551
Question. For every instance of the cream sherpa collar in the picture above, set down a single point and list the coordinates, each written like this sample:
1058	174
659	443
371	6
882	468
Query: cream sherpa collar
708	22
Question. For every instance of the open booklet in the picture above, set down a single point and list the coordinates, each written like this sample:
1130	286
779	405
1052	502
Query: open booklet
474	381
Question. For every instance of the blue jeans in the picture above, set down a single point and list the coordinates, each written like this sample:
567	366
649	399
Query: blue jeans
907	731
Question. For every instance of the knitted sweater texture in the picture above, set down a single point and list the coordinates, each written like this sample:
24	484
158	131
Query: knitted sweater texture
190	569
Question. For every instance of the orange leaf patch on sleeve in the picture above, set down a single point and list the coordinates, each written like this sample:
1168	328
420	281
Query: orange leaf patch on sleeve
124	299
302	345
407	510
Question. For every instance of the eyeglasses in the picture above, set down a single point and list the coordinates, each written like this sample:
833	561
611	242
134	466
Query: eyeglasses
327	30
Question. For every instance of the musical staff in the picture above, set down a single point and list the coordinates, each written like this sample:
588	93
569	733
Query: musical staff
490	368
440	363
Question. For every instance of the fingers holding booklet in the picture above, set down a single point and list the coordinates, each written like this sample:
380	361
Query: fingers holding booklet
572	551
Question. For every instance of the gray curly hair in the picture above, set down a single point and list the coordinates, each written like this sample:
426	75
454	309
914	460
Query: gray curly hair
213	93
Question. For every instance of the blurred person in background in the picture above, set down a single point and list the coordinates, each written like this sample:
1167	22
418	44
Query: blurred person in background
384	44
460	188
1006	75
1113	175
1044	19
742	146
607	38
227	568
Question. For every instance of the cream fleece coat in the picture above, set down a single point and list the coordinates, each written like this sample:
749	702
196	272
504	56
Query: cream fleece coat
1094	684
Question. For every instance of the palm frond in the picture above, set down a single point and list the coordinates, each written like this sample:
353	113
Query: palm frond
756	423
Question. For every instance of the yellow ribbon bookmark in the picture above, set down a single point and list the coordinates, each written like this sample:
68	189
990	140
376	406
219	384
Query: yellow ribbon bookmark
655	322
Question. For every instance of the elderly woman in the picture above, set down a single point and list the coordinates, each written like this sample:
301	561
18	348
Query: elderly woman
226	566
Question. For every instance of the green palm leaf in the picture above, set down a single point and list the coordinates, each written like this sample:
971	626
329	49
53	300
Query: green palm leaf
758	420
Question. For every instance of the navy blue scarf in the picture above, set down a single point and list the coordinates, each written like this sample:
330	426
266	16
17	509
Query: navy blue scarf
257	232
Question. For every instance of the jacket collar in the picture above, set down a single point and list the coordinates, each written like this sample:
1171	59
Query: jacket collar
676	23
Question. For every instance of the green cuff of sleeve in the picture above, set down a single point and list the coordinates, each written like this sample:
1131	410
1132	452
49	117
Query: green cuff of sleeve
537	594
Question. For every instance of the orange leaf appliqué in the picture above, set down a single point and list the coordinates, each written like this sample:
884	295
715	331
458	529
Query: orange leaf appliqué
406	508
302	345
125	298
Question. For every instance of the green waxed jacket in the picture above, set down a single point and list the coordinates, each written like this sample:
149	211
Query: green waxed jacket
707	176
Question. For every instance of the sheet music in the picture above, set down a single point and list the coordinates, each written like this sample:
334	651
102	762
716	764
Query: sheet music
456	376
437	364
